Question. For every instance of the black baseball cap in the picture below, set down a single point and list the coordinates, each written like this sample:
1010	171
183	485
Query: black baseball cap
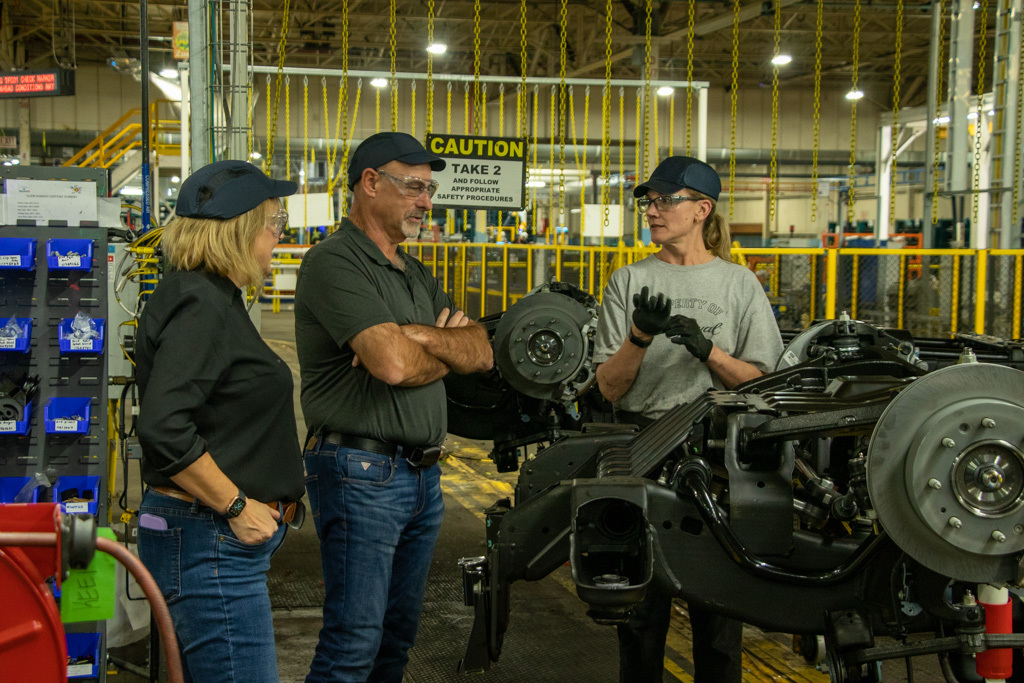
229	188
675	173
380	148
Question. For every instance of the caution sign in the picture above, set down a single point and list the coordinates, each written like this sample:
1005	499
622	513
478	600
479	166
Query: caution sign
482	172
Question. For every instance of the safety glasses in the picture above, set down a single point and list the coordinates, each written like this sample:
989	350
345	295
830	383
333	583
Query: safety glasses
411	186
665	202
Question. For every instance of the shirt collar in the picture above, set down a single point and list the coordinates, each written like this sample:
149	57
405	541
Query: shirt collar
360	238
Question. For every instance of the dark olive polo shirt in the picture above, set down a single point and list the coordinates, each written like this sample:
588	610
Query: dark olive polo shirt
345	286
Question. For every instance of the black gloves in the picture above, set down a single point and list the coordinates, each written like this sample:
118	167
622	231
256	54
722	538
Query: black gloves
686	331
651	314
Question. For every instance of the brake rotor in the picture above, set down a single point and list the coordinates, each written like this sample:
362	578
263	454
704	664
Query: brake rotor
945	471
542	346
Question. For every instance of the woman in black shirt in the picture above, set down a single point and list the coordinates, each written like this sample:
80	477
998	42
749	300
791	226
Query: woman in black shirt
217	426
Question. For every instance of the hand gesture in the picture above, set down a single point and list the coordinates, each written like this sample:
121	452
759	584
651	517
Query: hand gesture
686	331
651	314
256	524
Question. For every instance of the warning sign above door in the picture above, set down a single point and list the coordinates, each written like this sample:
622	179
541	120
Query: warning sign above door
482	172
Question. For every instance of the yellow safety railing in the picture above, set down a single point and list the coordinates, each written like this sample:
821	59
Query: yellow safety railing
931	292
124	135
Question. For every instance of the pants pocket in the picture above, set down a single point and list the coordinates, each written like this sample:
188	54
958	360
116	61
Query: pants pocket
160	551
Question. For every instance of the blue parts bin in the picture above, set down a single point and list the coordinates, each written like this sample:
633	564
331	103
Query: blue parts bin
76	494
18	490
68	415
18	253
20	341
69	254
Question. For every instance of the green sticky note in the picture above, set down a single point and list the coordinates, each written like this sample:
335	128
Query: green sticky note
88	594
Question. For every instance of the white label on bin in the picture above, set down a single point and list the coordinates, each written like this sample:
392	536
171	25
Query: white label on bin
69	261
76	507
7	342
10	260
79	669
65	425
80	344
8	426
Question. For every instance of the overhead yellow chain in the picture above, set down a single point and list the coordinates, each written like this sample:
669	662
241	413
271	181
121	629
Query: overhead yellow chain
851	196
647	83
428	127
332	142
773	190
533	190
894	138
449	216
980	90
348	140
581	160
483	109
1017	153
281	44
392	44
817	112
606	119
672	125
501	133
733	101
412	108
691	14
655	126
376	112
288	127
637	163
939	73
551	165
248	119
269	137
477	101
622	160
563	27
522	67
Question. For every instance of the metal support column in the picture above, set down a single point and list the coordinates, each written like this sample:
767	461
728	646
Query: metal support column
238	89
199	84
1006	54
883	180
961	52
933	114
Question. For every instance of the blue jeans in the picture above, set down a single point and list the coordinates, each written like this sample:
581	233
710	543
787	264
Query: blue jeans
216	590
378	520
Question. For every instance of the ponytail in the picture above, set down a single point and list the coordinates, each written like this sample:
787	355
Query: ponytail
717	238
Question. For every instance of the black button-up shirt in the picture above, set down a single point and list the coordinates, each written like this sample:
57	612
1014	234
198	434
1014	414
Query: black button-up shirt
209	383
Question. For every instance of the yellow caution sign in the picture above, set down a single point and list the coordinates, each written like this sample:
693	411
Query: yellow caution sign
482	172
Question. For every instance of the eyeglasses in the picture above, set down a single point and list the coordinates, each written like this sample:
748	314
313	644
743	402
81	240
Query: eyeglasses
665	202
278	223
295	515
411	186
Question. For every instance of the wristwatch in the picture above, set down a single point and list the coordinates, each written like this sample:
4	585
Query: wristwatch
236	506
637	341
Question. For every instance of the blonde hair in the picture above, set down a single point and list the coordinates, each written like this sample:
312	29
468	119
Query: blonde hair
219	245
717	238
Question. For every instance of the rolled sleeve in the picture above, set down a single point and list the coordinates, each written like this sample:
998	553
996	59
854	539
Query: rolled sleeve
186	364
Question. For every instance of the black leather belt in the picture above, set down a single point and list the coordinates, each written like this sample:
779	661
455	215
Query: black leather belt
360	443
418	456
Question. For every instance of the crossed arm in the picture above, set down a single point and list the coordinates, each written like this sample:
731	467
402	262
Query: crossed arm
414	355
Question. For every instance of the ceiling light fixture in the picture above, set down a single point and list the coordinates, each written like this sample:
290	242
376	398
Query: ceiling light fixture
169	73
175	179
781	60
378	83
855	94
437	48
666	90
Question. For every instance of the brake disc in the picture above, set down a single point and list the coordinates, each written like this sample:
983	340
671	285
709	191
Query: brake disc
543	348
945	470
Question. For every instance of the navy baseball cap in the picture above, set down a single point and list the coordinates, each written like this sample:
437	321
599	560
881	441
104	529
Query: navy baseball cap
675	173
380	148
229	188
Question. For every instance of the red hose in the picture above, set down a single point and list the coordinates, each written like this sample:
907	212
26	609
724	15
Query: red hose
142	576
156	602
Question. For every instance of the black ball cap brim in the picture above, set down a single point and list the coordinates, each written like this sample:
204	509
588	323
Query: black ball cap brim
225	189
